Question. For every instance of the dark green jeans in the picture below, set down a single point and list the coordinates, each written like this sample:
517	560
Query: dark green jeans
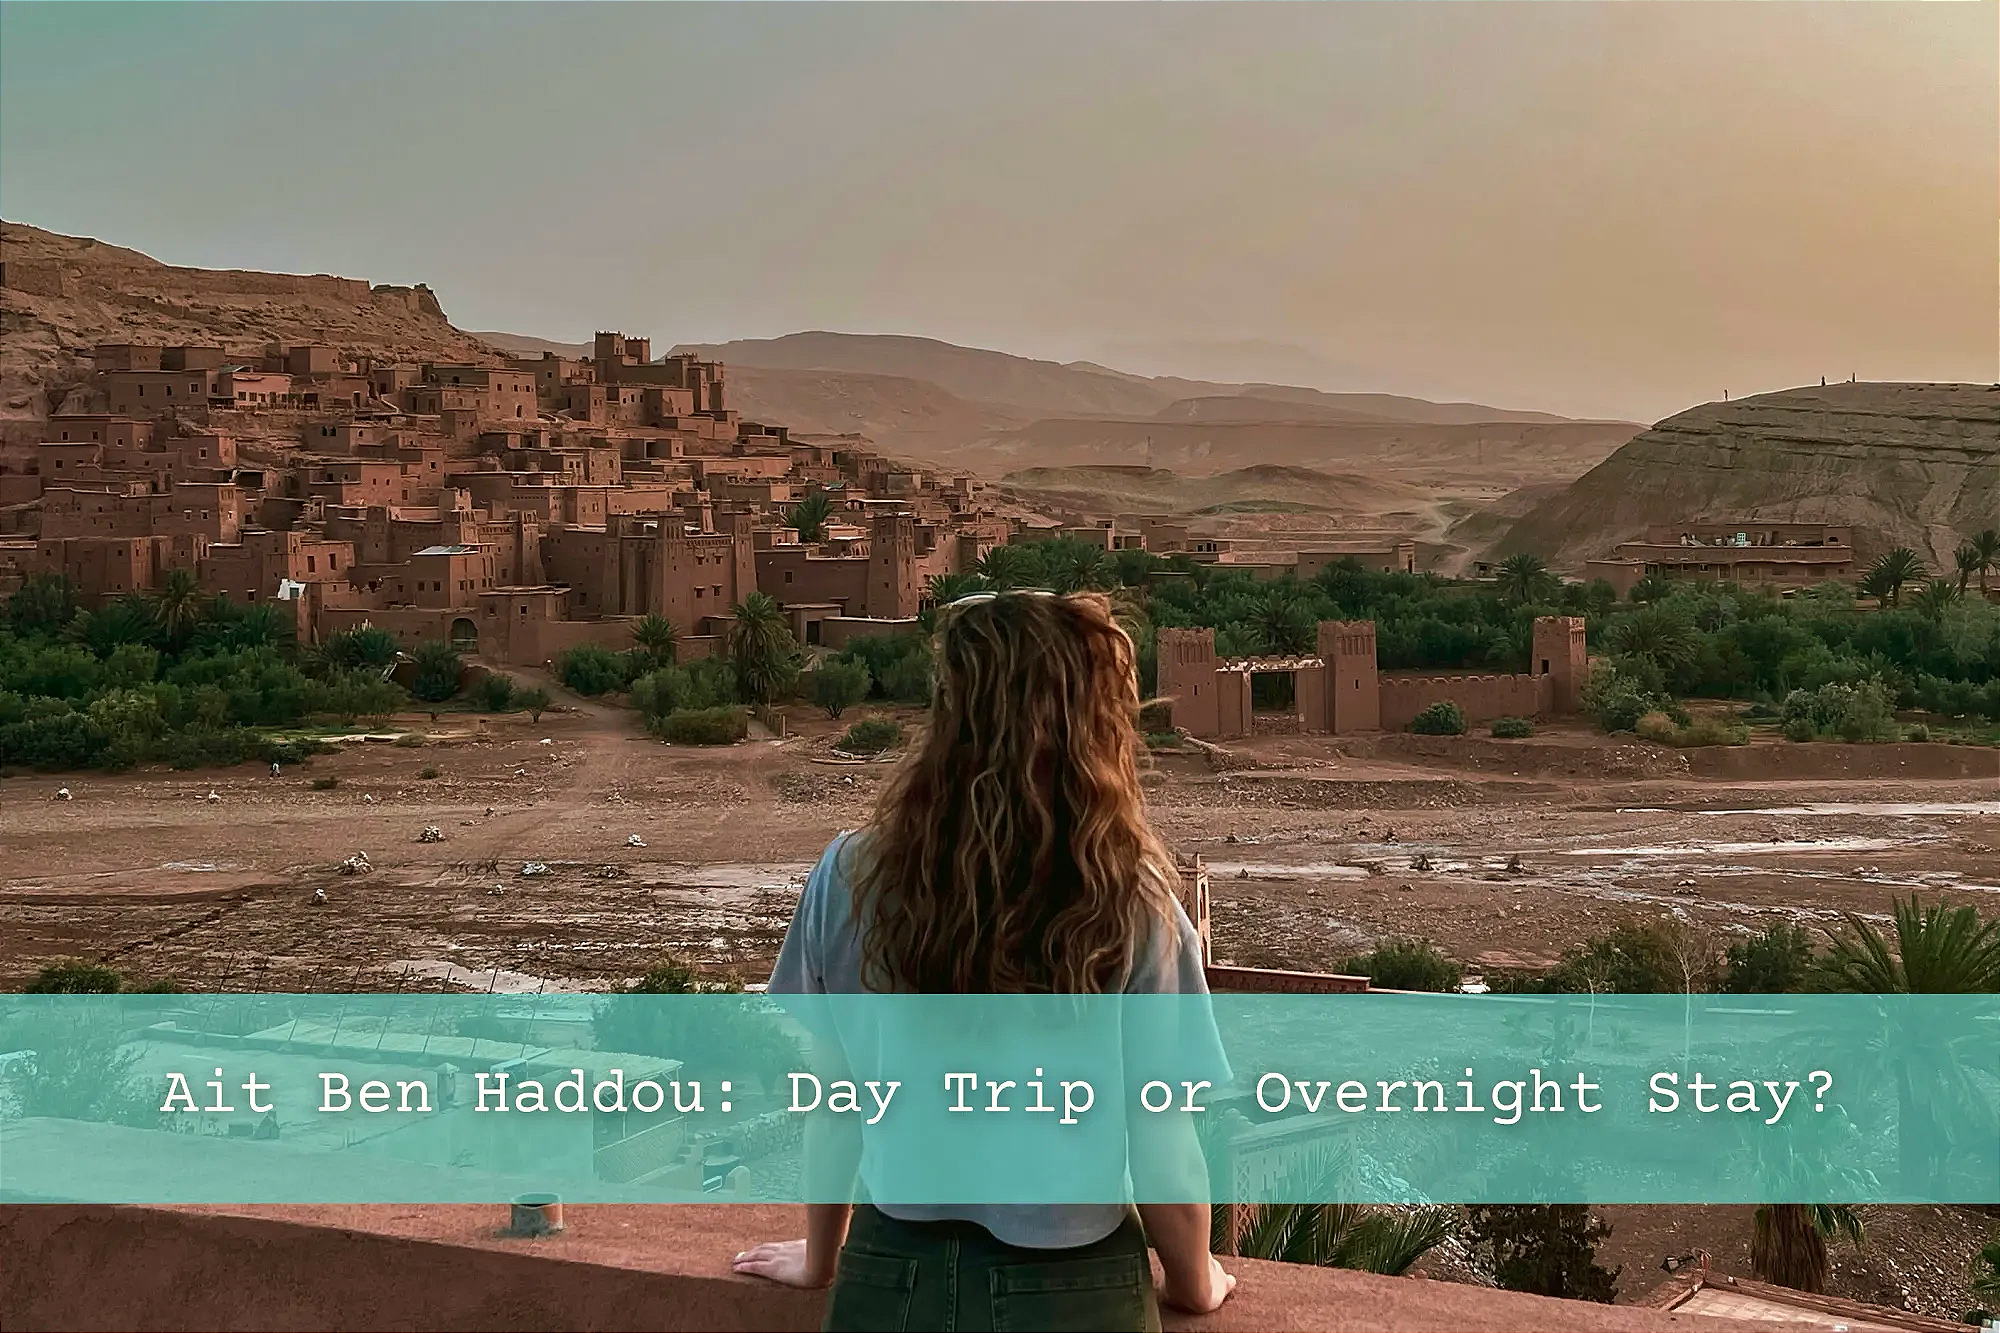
955	1277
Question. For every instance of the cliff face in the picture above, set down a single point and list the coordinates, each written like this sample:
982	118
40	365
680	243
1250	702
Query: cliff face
1914	465
62	295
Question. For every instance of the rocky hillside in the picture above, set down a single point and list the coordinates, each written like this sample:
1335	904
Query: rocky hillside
62	295
1914	465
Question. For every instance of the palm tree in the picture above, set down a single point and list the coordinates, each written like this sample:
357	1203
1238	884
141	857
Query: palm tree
1986	1275
128	619
1987	543
1284	624
1330	1235
656	638
1886	577
1788	1245
1938	950
1657	634
944	589
179	604
761	647
1969	563
1006	567
260	626
810	516
1077	566
1524	578
1935	598
1651	588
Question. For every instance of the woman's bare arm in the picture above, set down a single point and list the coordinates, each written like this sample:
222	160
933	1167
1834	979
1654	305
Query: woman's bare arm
832	1153
1167	1164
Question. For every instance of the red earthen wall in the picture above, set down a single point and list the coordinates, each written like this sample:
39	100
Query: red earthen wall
1480	698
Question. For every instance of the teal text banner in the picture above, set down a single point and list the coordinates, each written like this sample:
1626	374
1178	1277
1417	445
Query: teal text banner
1370	1098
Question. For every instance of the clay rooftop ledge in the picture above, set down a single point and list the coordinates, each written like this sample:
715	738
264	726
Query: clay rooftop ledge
617	1266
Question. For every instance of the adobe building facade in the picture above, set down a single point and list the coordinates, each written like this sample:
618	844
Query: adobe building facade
525	506
1341	690
1753	553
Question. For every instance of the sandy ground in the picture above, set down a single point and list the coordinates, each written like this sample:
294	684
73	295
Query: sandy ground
1315	854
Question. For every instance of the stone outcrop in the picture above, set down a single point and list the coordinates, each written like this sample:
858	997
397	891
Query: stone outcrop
1914	465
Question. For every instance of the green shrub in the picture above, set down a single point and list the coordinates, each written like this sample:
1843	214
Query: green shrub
495	693
1444	718
1163	740
534	702
66	740
1547	1249
702	684
1715	731
1617	698
660	692
591	670
210	749
427	773
1156	715
899	664
840	683
1637	958
1918	732
1663	730
355	649
1406	965
1856	713
871	736
284	752
705	726
410	740
73	976
439	668
325	784
1776	962
1513	728
733	1034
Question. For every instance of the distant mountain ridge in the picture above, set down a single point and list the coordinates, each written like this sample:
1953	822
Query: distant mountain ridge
1077	388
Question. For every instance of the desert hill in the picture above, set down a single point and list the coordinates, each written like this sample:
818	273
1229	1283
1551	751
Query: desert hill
1000	412
1262	489
1076	388
1488	458
1914	465
520	344
1026	386
62	295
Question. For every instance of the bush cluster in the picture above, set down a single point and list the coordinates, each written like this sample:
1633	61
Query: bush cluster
1440	719
724	725
871	736
1859	712
177	678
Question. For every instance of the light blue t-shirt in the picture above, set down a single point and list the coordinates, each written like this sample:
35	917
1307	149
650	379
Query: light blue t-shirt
822	955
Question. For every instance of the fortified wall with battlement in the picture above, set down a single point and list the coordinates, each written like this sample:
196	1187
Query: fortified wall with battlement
1341	690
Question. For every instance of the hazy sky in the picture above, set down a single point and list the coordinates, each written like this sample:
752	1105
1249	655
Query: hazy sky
1598	208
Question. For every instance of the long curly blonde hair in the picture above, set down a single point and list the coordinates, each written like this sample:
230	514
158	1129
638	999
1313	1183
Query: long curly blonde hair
1011	852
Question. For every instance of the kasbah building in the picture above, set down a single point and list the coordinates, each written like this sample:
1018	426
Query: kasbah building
525	508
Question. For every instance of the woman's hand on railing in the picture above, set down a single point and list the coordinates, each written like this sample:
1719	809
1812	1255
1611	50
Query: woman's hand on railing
1214	1288
784	1262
